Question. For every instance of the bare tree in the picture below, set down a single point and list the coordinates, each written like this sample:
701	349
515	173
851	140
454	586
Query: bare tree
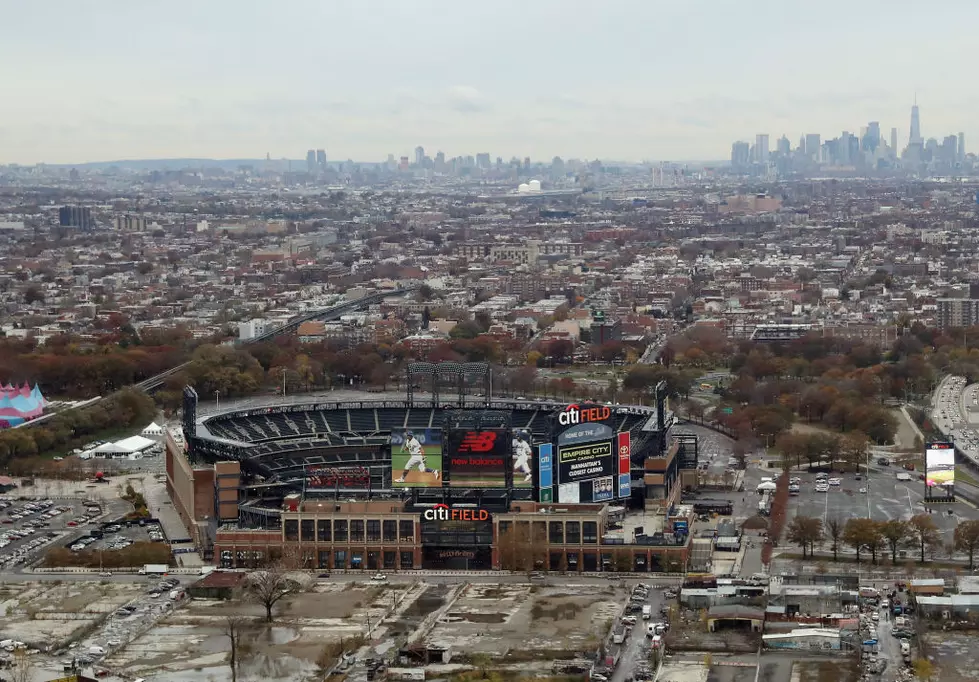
834	529
22	668
270	585
235	628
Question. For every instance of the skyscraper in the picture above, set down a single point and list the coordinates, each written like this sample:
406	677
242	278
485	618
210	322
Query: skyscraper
321	158
311	160
961	147
419	156
783	146
893	140
761	148
740	154
915	137
871	140
813	146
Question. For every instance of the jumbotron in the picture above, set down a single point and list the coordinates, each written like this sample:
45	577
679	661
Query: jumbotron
514	484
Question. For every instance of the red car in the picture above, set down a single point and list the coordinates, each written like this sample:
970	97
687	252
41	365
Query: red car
72	523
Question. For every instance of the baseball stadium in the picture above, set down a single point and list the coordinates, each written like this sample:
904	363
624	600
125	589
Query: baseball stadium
529	484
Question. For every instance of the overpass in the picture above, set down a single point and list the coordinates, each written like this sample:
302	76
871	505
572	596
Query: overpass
328	314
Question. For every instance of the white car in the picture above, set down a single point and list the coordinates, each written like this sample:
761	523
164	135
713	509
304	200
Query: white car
379	578
863	491
834	481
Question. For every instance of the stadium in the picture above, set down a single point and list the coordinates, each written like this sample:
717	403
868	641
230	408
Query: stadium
357	484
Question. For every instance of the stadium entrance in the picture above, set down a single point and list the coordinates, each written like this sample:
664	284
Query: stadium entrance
457	545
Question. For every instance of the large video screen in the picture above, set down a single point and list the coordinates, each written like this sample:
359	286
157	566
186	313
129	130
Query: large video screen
939	464
478	458
337	477
416	458
586	462
524	460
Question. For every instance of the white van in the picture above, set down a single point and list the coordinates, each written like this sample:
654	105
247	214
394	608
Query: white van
96	651
647	612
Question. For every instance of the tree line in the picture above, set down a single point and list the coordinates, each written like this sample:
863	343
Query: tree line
72	428
867	536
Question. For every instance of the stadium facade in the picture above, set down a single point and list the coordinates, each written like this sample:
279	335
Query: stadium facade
458	482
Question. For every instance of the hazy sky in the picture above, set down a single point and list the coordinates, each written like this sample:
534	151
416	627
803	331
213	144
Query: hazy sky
89	80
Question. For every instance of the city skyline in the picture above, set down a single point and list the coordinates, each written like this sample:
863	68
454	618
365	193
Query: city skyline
636	81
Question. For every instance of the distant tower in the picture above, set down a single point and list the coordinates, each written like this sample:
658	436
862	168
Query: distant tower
419	156
761	148
321	158
915	137
311	160
893	140
961	147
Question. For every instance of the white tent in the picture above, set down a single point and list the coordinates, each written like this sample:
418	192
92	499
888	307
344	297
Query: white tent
108	450
766	485
134	444
153	429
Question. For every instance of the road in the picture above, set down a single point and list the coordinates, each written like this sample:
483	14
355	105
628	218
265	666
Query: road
635	649
888	647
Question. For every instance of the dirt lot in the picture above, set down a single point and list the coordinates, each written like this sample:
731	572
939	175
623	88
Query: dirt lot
954	655
526	621
192	639
47	614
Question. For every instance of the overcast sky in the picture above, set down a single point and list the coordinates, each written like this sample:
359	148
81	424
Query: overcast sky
96	80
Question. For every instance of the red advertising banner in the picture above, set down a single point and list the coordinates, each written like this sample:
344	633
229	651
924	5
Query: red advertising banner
625	452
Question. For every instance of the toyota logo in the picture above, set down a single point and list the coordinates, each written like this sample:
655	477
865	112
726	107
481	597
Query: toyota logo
624	450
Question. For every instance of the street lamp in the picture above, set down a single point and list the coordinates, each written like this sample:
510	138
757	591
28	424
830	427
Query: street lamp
217	400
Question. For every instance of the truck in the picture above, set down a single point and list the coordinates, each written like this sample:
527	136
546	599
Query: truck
154	569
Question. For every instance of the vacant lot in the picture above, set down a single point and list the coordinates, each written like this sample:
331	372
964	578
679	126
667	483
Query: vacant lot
45	615
954	655
527	622
193	640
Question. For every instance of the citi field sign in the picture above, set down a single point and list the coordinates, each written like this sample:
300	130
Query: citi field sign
442	512
574	414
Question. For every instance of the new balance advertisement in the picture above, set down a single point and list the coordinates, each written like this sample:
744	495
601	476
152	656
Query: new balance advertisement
416	458
478	458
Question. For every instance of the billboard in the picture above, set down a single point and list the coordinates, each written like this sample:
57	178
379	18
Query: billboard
416	458
624	440
524	462
478	458
545	472
338	477
602	489
939	464
585	462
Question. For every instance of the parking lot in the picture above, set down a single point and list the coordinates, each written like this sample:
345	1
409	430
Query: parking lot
111	536
30	524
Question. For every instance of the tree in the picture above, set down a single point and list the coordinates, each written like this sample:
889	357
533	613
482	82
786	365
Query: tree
923	668
805	531
269	586
967	539
22	669
895	533
923	532
859	534
235	628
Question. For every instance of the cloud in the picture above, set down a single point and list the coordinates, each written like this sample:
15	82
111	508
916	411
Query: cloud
467	100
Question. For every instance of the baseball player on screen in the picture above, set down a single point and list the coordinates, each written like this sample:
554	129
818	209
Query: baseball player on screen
522	453
414	448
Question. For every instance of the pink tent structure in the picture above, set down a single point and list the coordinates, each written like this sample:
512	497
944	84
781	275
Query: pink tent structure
18	405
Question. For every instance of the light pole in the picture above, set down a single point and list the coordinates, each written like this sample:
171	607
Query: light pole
217	400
